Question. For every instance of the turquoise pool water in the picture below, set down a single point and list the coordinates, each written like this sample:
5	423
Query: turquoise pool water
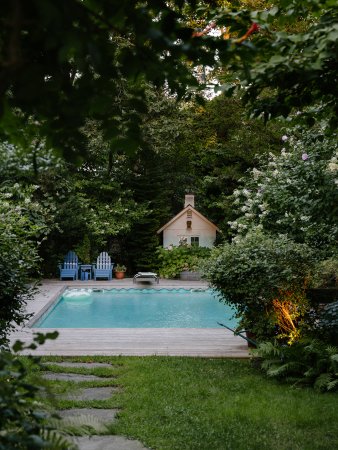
137	308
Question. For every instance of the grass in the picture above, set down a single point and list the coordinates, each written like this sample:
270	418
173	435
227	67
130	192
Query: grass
209	404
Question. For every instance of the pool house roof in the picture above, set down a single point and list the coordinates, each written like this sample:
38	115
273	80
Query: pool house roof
184	211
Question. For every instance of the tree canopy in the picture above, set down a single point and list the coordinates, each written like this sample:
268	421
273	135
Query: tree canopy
63	62
67	61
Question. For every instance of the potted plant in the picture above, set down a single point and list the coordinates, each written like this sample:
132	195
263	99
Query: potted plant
120	271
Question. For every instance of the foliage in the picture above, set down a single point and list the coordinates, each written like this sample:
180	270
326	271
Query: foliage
173	260
24	223
148	182
83	250
249	273
24	421
120	268
80	58
290	63
325	273
327	325
308	362
75	57
294	193
222	144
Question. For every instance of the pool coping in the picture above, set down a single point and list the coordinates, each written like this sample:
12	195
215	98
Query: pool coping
201	342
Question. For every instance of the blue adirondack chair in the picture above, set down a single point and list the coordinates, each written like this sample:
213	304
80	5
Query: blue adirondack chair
70	266
103	267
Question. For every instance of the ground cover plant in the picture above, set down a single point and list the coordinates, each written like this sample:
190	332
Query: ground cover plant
193	403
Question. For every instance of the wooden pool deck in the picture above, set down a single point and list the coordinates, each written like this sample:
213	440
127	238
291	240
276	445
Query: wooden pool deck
194	342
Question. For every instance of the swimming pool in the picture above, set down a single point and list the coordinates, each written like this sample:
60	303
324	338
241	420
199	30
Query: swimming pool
137	308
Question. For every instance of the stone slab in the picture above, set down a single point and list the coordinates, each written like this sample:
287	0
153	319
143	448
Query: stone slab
103	415
96	393
80	364
71	377
107	443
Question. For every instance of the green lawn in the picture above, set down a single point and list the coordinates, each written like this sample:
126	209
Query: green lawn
209	404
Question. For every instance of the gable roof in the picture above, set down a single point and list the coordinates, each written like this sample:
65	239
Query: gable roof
184	210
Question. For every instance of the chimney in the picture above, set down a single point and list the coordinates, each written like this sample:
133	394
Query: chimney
189	200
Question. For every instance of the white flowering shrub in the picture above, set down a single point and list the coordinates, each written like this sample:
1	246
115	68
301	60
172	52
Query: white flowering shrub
294	193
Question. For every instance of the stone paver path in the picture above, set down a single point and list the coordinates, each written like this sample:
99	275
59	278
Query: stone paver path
81	365
107	443
71	377
102	416
94	393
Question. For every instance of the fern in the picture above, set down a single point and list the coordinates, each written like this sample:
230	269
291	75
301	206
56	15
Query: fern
268	363
291	367
322	381
312	372
83	424
334	357
268	349
57	440
310	362
333	385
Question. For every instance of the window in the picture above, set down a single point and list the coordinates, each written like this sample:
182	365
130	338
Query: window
195	241
188	224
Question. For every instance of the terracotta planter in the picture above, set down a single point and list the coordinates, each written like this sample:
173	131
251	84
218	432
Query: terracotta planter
120	275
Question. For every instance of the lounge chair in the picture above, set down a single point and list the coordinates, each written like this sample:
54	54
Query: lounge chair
70	266
146	276
103	267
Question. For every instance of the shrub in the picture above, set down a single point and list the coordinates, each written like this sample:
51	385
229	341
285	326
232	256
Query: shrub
22	226
83	250
251	272
173	260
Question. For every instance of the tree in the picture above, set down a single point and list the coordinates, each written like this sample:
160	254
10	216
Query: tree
223	145
62	63
290	64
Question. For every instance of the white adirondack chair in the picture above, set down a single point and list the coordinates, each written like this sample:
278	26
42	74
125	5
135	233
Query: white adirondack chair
103	267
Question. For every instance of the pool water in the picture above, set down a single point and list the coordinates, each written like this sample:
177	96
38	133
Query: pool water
137	308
